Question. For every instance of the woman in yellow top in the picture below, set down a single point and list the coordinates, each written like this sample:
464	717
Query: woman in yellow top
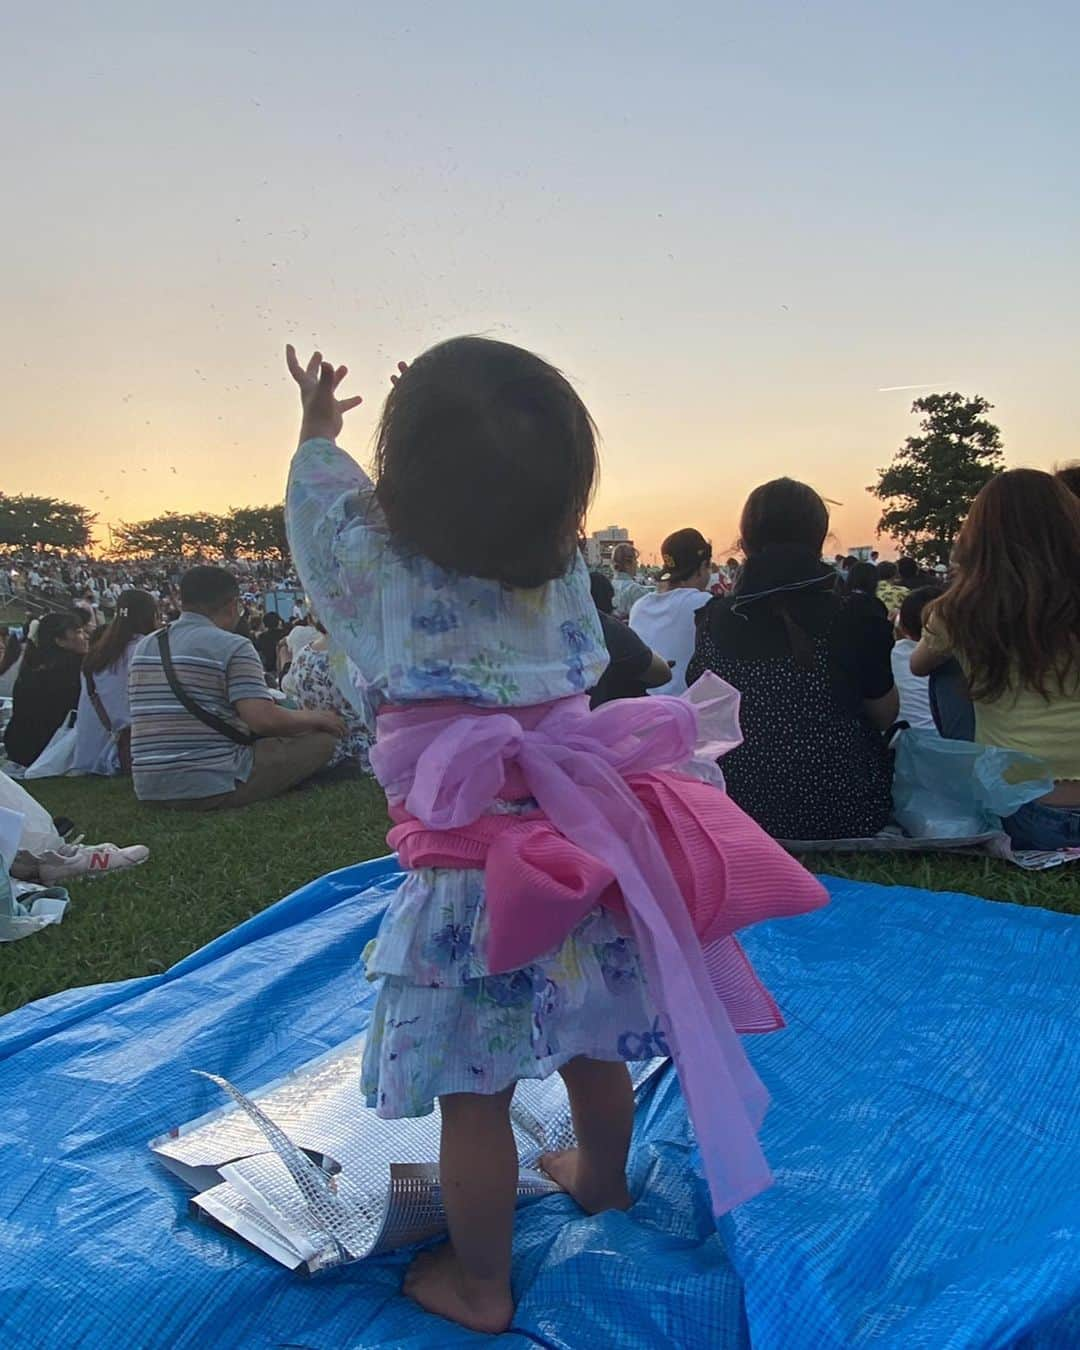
1012	620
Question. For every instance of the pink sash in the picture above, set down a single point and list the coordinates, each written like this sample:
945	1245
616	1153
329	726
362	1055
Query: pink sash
623	821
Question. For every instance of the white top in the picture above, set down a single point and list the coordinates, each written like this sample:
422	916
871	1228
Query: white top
914	692
299	638
628	591
665	622
95	748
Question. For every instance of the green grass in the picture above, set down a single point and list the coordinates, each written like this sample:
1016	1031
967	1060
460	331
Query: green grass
206	874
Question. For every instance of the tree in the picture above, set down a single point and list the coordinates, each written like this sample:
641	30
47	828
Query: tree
934	477
246	531
255	531
203	532
171	535
43	522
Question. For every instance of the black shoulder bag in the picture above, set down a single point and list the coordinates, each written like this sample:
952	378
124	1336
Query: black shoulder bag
121	737
204	715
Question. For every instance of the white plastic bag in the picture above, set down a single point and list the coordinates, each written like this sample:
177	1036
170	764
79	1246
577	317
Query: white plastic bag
38	831
58	757
45	905
947	789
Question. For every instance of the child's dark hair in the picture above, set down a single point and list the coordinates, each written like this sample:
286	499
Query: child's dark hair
485	462
911	611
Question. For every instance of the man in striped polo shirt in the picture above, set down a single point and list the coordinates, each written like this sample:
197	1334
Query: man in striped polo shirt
214	736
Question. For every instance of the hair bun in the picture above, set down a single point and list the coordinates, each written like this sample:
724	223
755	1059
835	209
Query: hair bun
683	554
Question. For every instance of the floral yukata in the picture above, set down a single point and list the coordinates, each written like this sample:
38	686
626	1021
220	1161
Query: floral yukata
405	631
311	682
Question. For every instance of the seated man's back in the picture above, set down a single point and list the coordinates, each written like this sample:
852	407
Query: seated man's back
193	736
174	754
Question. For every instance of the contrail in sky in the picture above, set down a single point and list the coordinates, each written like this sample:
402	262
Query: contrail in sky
893	388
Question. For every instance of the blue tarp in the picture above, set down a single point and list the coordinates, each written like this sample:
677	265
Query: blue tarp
923	1133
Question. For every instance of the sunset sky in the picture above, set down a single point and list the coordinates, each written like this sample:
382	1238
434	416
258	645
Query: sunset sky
730	224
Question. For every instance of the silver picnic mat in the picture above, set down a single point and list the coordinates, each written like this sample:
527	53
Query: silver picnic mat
310	1175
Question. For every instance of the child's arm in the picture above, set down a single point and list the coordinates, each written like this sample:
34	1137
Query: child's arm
336	532
325	486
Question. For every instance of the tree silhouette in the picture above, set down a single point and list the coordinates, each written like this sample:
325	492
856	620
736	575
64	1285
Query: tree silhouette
43	522
255	531
934	477
171	535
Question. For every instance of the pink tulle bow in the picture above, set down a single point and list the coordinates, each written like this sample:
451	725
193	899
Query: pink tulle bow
610	785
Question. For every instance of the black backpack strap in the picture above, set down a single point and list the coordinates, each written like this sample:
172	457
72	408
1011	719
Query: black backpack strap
96	703
204	715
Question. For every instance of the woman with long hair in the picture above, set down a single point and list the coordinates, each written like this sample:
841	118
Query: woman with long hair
814	672
47	688
104	712
1011	618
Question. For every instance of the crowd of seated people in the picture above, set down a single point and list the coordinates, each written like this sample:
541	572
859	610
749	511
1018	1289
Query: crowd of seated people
66	580
830	656
827	656
212	730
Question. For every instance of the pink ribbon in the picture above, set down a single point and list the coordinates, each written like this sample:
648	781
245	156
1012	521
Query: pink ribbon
447	766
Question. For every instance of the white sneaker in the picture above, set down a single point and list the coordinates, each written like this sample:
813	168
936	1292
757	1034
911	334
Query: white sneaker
75	860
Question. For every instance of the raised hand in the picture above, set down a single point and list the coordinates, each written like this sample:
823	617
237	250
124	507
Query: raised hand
323	412
402	366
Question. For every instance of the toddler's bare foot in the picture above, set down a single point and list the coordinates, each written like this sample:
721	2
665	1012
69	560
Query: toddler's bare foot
436	1281
592	1192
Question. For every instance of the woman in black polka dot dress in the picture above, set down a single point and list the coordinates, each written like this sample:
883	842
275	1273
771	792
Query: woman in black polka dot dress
815	678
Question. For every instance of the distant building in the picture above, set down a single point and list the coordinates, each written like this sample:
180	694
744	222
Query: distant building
600	545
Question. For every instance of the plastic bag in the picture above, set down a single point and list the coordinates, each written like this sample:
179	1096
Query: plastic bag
951	789
46	904
717	705
58	757
38	831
